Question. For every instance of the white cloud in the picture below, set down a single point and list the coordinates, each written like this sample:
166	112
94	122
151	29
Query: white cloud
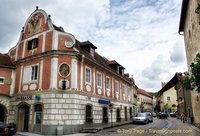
141	35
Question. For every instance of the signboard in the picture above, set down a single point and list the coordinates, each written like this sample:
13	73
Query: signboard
103	101
24	98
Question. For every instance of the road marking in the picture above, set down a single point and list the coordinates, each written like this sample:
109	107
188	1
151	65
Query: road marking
169	124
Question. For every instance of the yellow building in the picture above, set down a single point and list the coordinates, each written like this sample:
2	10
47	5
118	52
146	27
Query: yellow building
144	101
168	96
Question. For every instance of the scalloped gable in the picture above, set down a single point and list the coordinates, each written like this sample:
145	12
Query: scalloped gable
36	23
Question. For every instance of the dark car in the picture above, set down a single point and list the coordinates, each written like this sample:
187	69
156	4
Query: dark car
162	115
6	129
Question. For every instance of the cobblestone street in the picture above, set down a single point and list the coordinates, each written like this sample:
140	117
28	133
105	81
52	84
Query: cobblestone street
160	127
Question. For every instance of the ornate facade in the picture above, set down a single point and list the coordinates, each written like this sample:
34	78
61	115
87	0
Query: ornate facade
60	82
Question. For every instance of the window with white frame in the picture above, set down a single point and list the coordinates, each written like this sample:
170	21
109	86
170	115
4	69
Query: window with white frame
108	83
124	90
99	80
92	52
30	74
88	75
168	98
129	91
32	44
117	87
34	73
1	80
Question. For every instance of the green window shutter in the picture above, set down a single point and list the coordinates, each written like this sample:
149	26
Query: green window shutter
7	81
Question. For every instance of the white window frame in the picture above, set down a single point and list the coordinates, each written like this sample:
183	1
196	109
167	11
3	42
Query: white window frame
108	89
3	80
99	86
92	52
117	86
86	82
124	90
27	74
129	92
169	97
33	73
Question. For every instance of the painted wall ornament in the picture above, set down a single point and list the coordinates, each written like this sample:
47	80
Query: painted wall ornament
34	25
68	44
64	70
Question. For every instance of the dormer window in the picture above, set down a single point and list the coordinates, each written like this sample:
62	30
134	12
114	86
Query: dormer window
92	52
32	44
89	47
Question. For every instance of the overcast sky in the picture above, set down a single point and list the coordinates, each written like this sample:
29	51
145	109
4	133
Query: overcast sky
141	35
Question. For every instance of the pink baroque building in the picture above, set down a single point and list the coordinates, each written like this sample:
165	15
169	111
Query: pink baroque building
61	83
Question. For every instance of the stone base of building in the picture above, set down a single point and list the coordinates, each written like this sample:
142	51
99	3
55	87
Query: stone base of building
61	130
65	112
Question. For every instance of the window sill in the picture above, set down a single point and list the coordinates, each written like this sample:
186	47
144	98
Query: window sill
108	90
87	83
99	87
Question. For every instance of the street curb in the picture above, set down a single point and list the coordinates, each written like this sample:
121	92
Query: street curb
117	125
195	128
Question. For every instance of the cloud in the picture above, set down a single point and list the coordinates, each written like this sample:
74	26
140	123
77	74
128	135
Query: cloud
142	35
176	54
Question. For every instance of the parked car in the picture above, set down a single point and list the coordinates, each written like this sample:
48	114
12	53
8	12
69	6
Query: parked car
154	114
149	115
6	129
173	114
162	115
141	118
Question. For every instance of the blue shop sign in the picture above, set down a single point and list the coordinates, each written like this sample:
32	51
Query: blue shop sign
103	101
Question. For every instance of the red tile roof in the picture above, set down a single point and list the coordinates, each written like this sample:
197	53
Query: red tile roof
5	61
113	62
141	91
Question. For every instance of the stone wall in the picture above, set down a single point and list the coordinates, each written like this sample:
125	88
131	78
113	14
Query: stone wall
192	46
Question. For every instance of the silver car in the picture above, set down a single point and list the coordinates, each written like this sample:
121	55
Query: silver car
141	118
150	117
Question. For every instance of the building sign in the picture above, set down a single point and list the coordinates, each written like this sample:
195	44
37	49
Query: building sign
103	101
20	98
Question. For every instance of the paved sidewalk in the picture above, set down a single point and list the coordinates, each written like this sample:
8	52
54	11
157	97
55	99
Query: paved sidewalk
192	125
88	126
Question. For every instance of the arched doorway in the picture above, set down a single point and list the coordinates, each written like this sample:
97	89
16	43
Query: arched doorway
88	114
105	114
131	114
23	117
125	110
2	113
118	115
37	118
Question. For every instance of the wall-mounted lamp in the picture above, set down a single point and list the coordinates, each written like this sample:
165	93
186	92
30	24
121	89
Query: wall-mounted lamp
191	66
